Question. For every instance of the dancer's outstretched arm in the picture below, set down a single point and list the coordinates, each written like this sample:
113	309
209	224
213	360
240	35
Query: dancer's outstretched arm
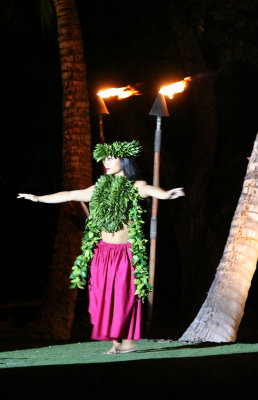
60	197
146	190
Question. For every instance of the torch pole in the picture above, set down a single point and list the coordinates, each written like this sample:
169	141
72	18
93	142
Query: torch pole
101	135
101	110
154	215
159	109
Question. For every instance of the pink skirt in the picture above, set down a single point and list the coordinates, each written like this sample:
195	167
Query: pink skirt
114	311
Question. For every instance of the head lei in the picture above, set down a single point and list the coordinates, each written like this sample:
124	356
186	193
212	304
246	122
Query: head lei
117	149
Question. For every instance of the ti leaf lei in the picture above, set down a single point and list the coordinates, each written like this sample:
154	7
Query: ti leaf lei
115	202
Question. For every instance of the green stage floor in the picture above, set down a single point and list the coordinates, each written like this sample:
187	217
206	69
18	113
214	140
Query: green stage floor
92	352
160	369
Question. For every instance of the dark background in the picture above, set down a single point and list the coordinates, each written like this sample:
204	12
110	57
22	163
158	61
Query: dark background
135	45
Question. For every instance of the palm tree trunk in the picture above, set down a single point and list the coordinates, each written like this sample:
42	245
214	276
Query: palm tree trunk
56	317
221	313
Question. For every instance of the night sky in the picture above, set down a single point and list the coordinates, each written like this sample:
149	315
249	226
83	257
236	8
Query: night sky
133	45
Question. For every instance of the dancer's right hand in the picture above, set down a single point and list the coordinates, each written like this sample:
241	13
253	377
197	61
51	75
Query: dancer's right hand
28	196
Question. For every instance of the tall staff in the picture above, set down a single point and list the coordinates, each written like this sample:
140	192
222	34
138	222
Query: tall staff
159	109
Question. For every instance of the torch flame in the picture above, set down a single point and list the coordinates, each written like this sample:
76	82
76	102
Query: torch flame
174	88
121	93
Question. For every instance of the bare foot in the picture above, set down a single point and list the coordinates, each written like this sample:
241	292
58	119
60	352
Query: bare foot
115	348
127	346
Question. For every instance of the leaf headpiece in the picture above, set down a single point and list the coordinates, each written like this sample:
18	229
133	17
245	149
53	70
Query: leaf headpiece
117	149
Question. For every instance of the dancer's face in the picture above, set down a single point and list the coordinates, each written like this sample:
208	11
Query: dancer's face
113	166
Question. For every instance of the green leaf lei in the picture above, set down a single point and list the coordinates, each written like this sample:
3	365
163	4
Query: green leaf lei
115	202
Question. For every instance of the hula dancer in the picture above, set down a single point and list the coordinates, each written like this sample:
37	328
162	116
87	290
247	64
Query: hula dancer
113	261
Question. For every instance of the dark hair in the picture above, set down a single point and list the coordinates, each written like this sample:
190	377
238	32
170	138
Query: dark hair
129	167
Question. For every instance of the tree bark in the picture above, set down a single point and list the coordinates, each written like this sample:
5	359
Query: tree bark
56	317
221	313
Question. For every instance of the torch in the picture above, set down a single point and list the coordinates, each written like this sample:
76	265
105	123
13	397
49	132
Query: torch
101	110
159	109
119	93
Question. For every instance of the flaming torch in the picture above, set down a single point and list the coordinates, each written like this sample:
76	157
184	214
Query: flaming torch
175	88
101	110
119	93
159	109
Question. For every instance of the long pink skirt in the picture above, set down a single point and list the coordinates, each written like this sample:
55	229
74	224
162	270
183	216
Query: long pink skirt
114	311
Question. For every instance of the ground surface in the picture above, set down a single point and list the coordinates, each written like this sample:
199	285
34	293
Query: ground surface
161	367
157	368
